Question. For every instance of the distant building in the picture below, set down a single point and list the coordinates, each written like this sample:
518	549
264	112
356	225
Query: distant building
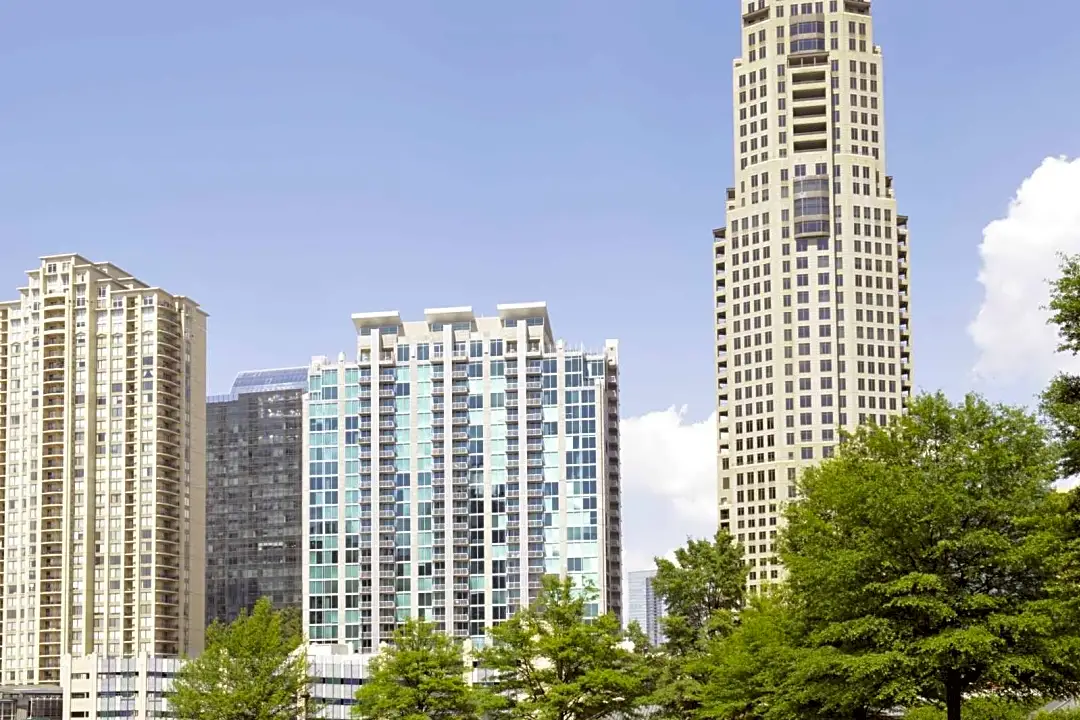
644	606
254	452
36	702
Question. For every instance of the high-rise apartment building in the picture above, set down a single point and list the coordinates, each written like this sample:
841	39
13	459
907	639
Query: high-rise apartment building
451	465
645	607
254	476
811	272
102	435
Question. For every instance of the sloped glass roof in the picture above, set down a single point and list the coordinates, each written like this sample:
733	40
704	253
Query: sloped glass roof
269	380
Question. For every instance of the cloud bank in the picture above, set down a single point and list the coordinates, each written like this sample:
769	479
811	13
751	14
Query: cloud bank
1019	257
669	483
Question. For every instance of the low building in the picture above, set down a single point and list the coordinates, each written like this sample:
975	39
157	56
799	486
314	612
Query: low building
40	702
96	687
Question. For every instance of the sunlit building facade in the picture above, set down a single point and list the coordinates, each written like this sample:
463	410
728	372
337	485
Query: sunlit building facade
812	313
455	461
644	606
102	469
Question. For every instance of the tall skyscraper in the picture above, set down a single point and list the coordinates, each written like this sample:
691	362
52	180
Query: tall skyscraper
646	608
456	461
812	312
254	520
102	437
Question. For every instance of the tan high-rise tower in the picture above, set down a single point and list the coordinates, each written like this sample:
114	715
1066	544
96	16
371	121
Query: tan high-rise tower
102	469
811	272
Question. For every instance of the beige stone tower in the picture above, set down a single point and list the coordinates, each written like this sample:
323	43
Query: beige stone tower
811	272
102	469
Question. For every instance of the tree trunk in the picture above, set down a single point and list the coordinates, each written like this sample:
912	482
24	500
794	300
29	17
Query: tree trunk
954	696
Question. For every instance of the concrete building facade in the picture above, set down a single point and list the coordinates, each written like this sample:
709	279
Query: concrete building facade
812	313
97	686
102	468
31	702
451	465
254	520
94	687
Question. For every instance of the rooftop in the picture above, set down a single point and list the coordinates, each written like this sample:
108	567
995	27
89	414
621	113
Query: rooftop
253	381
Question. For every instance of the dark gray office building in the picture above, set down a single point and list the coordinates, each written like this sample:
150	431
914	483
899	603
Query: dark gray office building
254	503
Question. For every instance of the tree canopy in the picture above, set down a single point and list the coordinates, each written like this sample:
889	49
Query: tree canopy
701	589
251	669
1061	399
551	662
921	557
421	675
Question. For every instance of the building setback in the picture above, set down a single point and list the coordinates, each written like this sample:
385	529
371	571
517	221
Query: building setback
254	523
645	606
813	331
451	465
102	432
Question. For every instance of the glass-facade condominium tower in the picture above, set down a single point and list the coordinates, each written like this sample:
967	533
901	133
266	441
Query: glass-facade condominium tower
644	606
102	469
811	272
254	454
451	465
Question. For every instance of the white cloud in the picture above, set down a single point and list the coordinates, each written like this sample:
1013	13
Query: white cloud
1019	256
668	483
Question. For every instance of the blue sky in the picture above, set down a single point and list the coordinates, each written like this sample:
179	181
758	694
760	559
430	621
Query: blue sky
287	164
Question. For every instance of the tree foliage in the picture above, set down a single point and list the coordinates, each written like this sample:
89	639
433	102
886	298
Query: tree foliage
701	589
983	707
550	662
250	670
421	675
1061	399
747	670
769	669
292	622
922	557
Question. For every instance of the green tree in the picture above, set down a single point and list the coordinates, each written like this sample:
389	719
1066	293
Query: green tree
292	622
747	670
701	589
1061	399
1067	713
250	670
923	556
549	661
767	670
983	707
421	675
